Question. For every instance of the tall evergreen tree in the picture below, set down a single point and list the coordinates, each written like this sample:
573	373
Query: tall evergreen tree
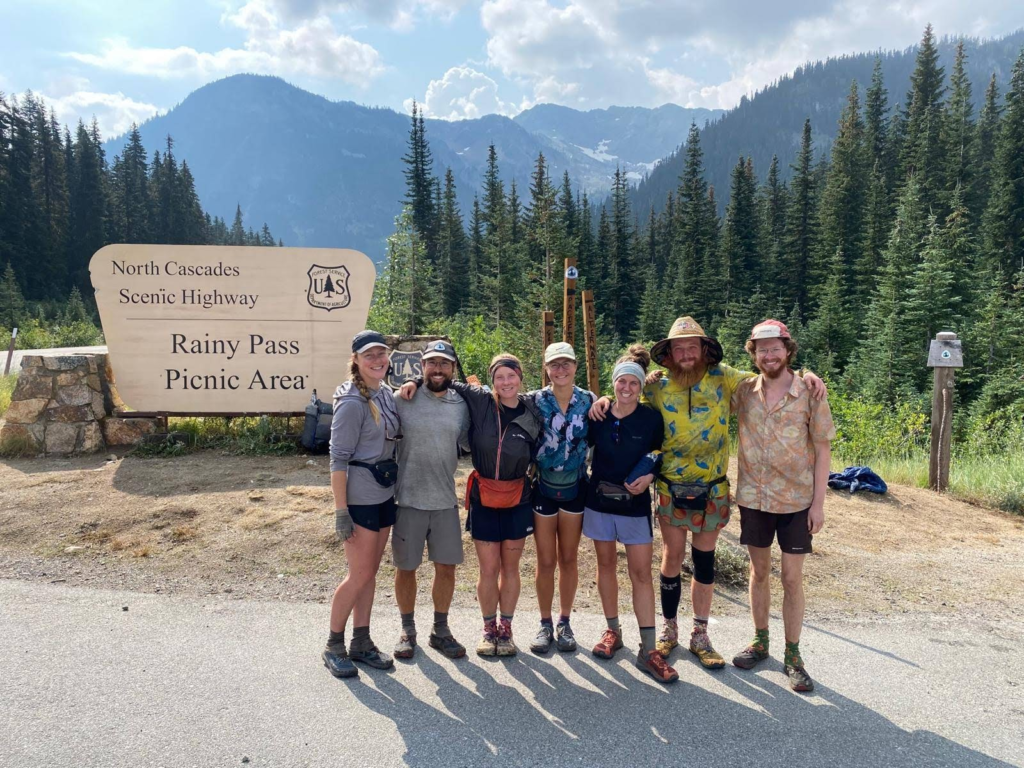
12	303
988	132
453	256
876	106
739	244
801	224
419	181
959	136
922	152
772	227
88	206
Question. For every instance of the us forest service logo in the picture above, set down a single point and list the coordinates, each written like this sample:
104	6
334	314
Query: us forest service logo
405	366
328	287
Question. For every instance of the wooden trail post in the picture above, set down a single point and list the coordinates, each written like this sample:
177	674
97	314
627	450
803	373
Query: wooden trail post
10	352
944	356
547	333
590	338
569	302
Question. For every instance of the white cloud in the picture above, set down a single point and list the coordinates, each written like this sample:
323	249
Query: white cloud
399	14
703	52
75	98
313	48
464	93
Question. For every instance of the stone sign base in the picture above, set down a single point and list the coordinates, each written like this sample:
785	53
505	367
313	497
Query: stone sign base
63	405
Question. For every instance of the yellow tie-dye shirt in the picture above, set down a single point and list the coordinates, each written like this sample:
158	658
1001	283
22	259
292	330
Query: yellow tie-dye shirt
696	446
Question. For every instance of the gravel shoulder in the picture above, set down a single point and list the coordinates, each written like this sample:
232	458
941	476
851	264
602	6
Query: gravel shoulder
210	523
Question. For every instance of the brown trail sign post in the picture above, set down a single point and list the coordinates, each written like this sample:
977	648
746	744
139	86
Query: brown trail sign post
590	335
944	356
547	334
569	302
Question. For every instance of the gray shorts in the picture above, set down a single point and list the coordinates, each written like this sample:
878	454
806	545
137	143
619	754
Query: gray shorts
439	529
600	526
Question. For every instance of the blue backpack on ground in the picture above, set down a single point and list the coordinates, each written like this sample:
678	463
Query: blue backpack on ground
856	479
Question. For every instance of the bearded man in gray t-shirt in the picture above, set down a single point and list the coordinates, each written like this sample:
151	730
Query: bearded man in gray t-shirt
434	423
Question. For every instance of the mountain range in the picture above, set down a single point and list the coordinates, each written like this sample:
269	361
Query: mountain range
329	174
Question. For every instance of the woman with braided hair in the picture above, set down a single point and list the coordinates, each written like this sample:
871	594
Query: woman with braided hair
505	427
364	434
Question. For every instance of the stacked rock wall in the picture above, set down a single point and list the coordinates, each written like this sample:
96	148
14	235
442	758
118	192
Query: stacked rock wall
63	405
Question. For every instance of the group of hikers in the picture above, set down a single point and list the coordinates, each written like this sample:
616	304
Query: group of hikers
393	461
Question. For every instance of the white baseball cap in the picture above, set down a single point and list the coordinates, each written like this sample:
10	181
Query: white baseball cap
559	350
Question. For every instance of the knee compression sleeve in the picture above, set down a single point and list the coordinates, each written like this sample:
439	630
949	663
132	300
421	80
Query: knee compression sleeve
703	565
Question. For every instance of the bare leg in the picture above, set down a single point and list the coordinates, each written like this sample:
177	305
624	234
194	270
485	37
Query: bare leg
673	548
488	553
545	538
607	578
361	551
638	559
405	590
760	585
793	595
444	587
509	584
570	527
364	601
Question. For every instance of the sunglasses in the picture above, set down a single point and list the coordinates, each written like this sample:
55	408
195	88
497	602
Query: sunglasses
615	432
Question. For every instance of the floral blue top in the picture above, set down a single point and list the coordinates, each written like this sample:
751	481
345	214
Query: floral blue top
563	446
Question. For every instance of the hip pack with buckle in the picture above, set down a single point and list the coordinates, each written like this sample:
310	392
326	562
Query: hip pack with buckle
691	495
613	498
496	494
559	486
384	472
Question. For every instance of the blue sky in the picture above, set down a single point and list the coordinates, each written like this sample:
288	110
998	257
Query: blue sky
123	61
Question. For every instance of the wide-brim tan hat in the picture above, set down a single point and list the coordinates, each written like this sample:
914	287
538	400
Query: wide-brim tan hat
682	328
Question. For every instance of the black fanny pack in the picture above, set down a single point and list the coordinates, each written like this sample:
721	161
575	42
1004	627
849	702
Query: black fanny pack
613	498
384	472
692	495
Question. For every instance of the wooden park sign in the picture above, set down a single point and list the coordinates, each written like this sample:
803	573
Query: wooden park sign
229	329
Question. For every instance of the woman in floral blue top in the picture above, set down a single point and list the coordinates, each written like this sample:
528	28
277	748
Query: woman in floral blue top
559	493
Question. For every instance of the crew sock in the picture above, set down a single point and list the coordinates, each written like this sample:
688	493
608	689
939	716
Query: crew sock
409	623
792	658
563	619
336	641
613	623
548	622
760	641
700	625
670	588
647	639
361	638
441	628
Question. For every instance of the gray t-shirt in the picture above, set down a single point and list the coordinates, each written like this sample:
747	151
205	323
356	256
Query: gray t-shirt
432	429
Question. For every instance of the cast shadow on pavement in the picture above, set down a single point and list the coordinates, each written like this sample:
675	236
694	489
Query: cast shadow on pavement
532	711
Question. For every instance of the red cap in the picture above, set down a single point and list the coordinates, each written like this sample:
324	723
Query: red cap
770	329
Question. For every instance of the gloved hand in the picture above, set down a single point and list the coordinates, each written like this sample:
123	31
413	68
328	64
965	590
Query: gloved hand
343	524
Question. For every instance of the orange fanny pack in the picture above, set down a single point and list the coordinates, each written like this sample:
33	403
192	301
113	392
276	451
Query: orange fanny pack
497	494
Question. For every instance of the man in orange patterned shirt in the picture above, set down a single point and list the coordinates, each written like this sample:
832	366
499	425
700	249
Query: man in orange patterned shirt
784	453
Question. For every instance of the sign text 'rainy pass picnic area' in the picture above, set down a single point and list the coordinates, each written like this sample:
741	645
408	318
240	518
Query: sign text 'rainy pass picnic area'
201	329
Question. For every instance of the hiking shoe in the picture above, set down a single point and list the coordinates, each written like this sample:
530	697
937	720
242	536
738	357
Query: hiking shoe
609	643
372	657
654	664
505	646
700	646
339	664
405	647
542	642
749	657
565	640
447	645
668	639
799	680
488	645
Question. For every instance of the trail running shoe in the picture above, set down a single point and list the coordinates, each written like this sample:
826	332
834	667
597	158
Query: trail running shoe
668	639
749	657
799	680
339	664
505	646
372	657
565	640
654	664
447	645
488	645
609	643
542	642
700	646
405	647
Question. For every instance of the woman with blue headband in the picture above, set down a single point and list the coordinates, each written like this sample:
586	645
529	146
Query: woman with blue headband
627	452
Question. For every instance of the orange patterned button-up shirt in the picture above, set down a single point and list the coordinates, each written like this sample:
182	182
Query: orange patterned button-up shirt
776	446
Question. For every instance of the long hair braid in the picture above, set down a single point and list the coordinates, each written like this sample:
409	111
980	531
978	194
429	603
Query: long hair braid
357	379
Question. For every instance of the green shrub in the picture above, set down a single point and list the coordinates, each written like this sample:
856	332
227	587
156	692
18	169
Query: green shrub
34	334
7	384
866	431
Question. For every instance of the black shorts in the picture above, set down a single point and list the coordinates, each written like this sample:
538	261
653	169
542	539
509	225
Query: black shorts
546	507
758	529
490	524
373	517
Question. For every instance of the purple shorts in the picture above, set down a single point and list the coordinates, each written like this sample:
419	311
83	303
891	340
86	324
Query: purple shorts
600	526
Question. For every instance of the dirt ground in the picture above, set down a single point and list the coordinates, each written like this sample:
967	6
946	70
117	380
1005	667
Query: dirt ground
209	523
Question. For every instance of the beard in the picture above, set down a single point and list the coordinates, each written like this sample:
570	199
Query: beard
773	374
686	377
438	386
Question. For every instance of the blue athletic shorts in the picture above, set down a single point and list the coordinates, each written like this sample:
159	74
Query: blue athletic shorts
600	526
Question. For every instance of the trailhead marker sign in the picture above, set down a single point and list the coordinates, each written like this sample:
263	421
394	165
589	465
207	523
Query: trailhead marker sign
229	329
